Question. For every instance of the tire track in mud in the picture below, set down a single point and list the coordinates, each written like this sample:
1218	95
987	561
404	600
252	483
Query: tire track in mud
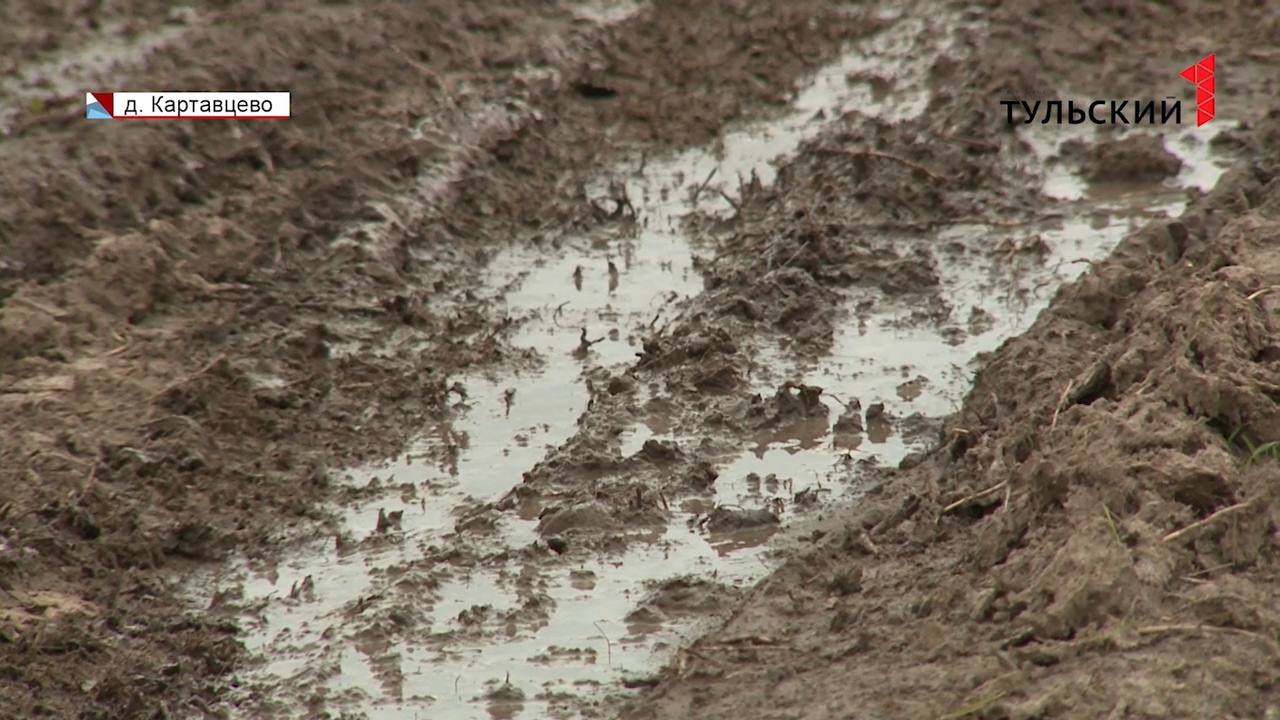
230	452
427	562
477	595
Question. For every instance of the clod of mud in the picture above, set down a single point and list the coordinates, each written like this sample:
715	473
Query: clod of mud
728	519
850	421
579	518
1136	158
682	596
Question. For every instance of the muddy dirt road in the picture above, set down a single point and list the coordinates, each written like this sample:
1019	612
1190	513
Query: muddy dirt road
658	360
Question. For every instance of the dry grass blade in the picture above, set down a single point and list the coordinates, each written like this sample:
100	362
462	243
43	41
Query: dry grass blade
1062	400
976	496
1167	629
974	708
607	644
932	175
1193	527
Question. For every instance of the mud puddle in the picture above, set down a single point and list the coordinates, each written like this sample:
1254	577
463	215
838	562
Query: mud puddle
907	374
433	602
897	375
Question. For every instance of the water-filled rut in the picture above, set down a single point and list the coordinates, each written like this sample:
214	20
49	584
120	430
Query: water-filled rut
442	596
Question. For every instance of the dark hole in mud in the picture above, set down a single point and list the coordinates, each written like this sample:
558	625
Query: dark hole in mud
1268	354
1023	449
1204	493
978	510
1238	437
592	91
1198	356
962	442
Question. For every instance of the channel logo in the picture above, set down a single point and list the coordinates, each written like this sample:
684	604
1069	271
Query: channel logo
1202	75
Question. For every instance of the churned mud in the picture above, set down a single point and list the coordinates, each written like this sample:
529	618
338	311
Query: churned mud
596	359
1091	533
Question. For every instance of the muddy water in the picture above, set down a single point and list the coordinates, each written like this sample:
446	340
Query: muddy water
998	280
494	634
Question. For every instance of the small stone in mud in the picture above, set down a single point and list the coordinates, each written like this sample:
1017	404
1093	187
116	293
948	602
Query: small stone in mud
645	615
875	410
701	476
659	451
980	321
846	582
558	545
1133	159
797	399
388	520
724	519
620	384
851	420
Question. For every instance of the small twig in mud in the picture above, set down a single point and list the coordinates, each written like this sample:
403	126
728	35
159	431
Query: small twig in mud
843	404
608	646
1111	523
974	708
1177	534
976	496
1257	294
56	313
898	159
697	191
117	351
93	478
209	366
584	345
736	207
795	254
455	687
1164	629
1062	400
1208	571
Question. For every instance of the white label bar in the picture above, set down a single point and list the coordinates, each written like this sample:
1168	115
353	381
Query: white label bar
187	106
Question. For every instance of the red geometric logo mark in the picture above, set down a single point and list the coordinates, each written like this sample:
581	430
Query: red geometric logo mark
105	99
1202	75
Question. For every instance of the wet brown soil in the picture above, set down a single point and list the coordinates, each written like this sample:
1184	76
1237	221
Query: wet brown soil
1093	534
192	336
